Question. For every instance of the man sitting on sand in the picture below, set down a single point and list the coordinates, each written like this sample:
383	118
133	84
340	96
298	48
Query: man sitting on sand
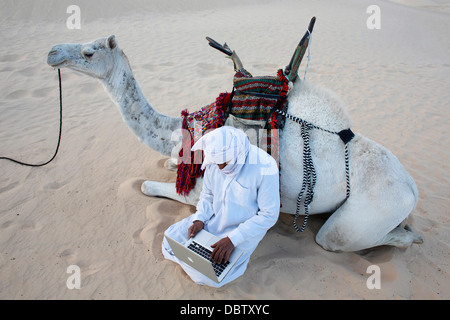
239	201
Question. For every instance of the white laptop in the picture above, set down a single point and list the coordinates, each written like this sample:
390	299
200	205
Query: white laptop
195	254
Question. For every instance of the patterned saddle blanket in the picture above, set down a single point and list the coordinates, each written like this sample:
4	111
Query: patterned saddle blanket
250	106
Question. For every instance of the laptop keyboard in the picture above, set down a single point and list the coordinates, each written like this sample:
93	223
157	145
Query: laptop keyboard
206	253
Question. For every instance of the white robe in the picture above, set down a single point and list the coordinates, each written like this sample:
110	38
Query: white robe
242	207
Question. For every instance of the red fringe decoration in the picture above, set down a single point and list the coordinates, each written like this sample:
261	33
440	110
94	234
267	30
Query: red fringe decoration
189	164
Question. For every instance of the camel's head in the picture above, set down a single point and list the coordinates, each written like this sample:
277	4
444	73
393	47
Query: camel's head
95	59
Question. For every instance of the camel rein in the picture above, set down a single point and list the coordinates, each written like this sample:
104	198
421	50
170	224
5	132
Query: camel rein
309	172
59	138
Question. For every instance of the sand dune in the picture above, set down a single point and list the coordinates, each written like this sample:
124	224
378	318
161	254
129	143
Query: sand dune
86	208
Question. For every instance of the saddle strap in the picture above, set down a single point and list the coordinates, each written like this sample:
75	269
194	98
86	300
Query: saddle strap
309	173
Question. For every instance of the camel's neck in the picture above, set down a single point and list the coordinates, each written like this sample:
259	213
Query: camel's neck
151	127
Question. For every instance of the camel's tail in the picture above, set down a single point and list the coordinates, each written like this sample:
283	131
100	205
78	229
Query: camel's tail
415	193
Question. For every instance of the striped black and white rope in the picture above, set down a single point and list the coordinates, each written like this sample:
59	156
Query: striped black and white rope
309	172
347	171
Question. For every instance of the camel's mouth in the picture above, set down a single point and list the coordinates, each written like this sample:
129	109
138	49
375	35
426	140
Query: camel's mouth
58	65
56	60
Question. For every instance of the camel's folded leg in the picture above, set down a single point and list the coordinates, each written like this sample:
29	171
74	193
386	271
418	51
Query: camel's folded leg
361	223
168	190
401	237
172	164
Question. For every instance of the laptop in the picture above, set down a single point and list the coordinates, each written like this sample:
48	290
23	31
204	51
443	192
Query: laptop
196	253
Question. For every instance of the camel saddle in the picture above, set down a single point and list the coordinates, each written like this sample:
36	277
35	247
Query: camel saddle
251	105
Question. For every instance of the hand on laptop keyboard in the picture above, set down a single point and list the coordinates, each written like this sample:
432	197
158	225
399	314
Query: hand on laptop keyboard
222	250
206	253
196	227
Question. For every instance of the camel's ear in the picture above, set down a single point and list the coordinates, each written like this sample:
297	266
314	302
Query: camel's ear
111	42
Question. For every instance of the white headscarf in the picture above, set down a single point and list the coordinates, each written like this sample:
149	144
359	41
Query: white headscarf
224	145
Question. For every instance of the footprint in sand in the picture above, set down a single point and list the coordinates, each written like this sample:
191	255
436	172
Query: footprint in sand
22	225
137	237
163	67
90	143
43	92
28	71
11	58
88	88
167	64
167	78
7	69
55	185
210	70
18	94
152	67
130	190
9	187
160	215
87	270
7	224
69	256
30	226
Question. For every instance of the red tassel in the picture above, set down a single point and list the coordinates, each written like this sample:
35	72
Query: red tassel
189	165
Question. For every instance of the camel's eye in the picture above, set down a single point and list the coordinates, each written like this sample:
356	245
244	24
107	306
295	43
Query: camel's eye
88	55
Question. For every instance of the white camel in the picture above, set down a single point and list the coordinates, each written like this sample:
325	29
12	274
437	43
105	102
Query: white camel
383	194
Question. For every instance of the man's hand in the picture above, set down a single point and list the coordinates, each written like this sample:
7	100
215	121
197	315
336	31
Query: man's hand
195	228
222	250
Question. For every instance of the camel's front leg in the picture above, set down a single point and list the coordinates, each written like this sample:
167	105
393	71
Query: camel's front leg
172	164
168	190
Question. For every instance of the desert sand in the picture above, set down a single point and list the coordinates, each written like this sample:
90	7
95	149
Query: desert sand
86	209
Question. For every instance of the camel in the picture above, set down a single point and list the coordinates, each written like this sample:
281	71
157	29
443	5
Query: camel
383	194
